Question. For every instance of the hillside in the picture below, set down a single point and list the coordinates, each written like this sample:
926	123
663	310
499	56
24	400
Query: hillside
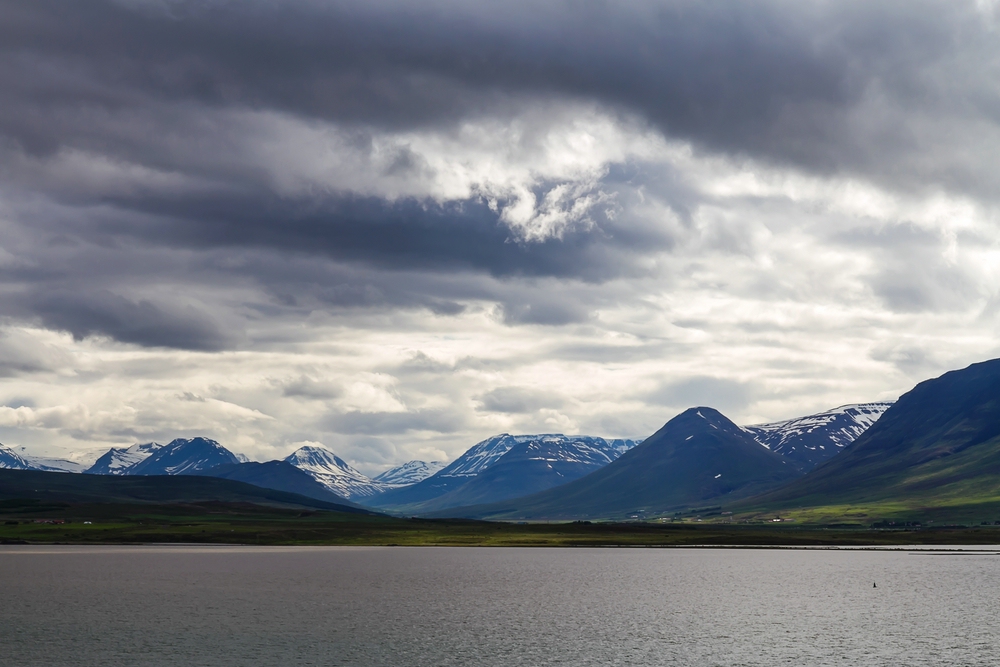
937	446
54	487
276	475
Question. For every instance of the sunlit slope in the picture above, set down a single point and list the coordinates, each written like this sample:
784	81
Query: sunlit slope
699	457
938	446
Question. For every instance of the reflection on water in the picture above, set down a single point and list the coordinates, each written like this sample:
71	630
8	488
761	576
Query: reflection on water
462	606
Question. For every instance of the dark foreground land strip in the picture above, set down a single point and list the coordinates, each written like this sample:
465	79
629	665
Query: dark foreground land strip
36	522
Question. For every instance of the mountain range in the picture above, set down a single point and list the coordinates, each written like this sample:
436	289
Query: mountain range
934	453
501	469
699	457
505	466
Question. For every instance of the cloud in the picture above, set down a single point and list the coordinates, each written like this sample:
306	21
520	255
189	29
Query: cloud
517	400
720	393
143	322
398	227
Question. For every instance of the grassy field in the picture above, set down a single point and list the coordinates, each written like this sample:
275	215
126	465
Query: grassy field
234	523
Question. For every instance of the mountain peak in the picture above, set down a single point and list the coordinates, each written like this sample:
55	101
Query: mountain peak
118	460
334	472
181	456
321	457
409	473
12	460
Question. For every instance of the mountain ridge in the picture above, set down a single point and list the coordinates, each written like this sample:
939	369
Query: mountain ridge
699	456
477	459
938	445
812	439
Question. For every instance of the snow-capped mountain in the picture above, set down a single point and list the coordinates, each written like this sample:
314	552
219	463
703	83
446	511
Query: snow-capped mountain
409	473
480	456
812	439
334	473
20	460
484	455
117	460
11	460
52	465
182	456
622	445
535	463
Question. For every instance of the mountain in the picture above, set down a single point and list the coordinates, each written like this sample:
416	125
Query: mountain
935	451
476	459
182	456
11	460
534	464
808	441
54	487
47	464
409	473
482	456
277	475
697	458
117	460
334	473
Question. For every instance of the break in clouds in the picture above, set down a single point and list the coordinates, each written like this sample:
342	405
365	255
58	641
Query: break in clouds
396	228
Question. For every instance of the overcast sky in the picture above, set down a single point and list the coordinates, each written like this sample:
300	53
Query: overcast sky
397	228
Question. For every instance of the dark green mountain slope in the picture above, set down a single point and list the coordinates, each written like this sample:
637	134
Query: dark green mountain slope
938	445
66	488
699	457
277	475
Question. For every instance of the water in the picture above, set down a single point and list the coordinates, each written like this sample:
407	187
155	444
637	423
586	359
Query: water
462	606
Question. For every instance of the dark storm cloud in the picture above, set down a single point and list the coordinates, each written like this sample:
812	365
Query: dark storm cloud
402	235
143	322
148	85
765	78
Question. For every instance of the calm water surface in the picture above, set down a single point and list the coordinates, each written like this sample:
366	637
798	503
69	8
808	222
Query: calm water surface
423	607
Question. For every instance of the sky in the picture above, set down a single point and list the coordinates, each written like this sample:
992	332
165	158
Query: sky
397	228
